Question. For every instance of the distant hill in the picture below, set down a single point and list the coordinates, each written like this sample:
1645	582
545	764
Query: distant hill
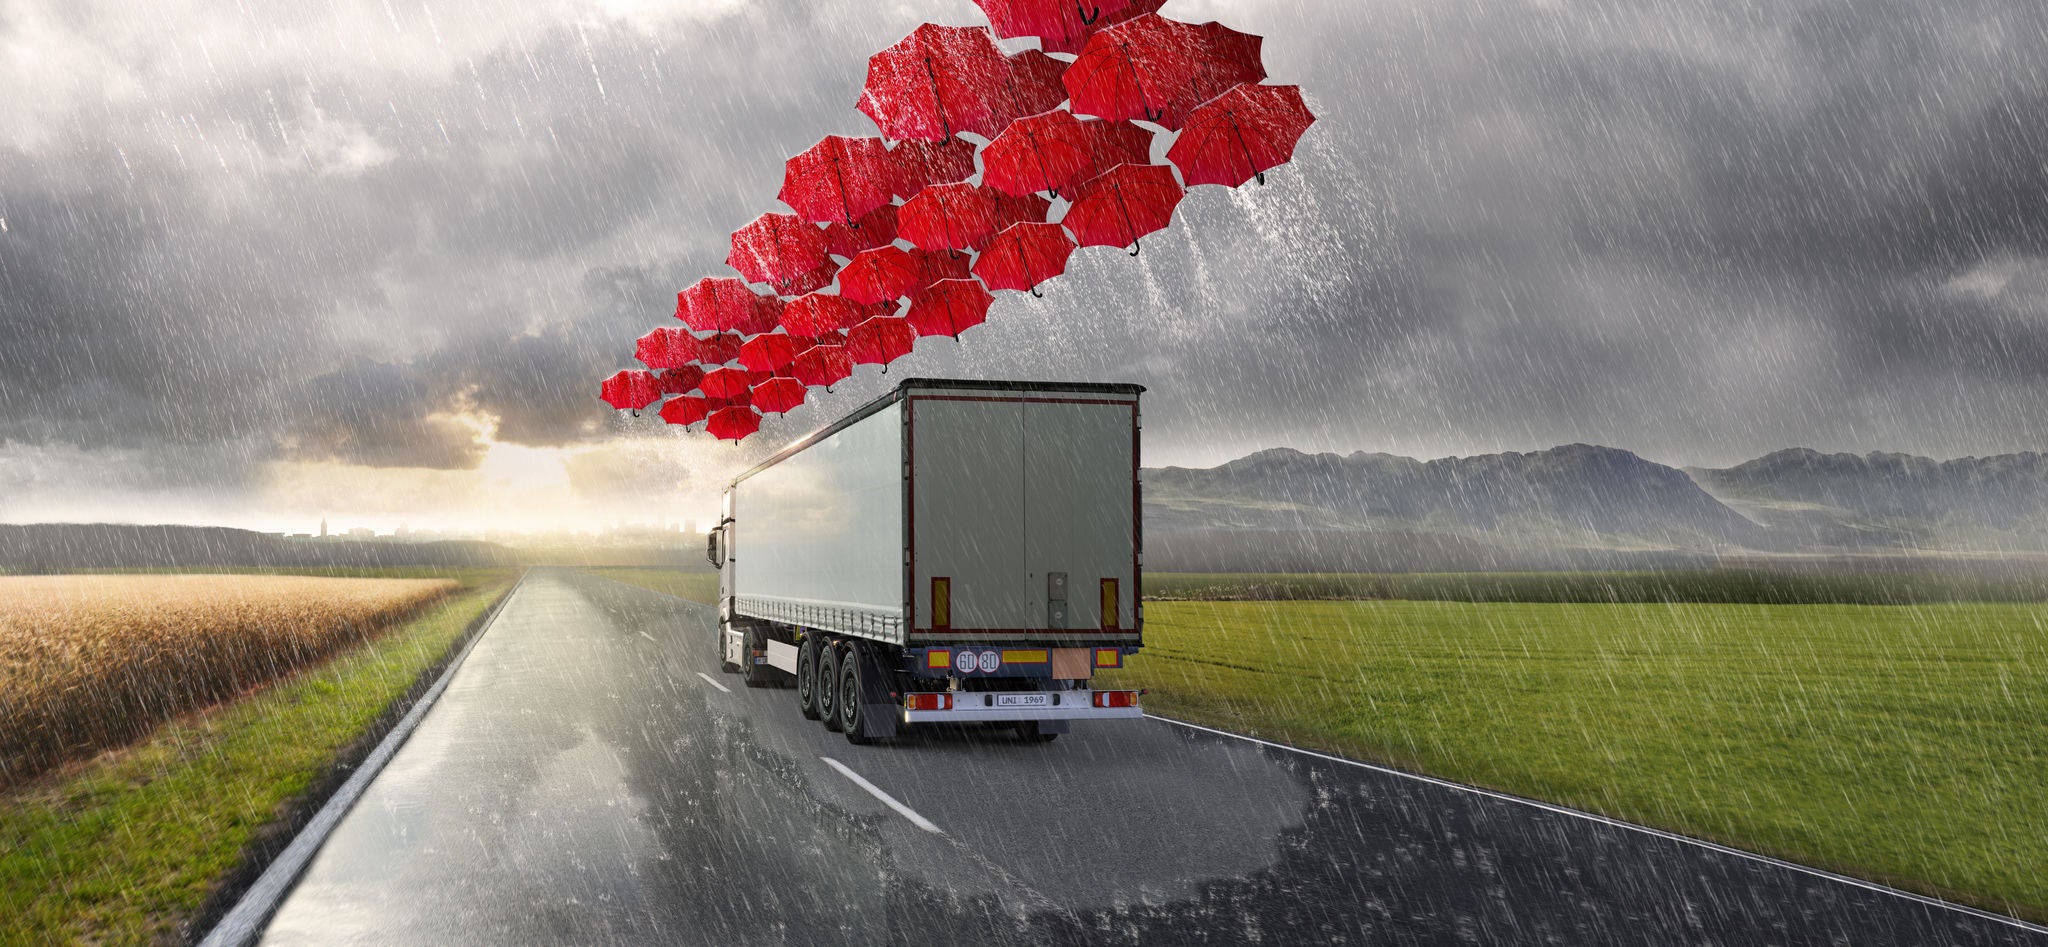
1809	498
1576	506
60	547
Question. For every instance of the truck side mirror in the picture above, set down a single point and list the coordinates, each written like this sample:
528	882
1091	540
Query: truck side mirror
712	547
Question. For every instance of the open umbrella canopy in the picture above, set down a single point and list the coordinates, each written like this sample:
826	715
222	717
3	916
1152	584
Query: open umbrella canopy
1020	209
934	83
818	313
717	303
949	216
876	228
1240	135
949	307
1159	69
822	365
733	424
1060	25
839	178
936	265
920	164
776	248
768	352
879	275
666	347
718	348
880	340
1112	143
630	390
685	410
812	281
1043	152
1032	85
681	381
779	395
766	315
1122	204
725	383
1024	255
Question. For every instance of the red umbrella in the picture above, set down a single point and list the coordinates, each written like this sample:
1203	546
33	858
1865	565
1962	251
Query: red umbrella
1056	22
779	395
950	216
1240	134
685	410
717	303
1160	69
920	164
949	307
725	382
824	365
876	228
878	275
1023	255
666	348
880	340
718	348
1074	43
1031	85
733	424
818	313
768	352
934	82
681	381
1114	143
1122	204
1045	152
812	281
630	390
766	316
776	248
935	265
839	178
1020	209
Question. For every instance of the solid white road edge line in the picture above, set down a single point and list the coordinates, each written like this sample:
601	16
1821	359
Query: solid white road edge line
888	800
708	680
1619	824
246	920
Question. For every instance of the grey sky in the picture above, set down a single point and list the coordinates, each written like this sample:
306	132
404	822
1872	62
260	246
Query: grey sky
248	246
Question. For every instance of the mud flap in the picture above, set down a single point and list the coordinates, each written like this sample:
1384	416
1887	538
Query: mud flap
879	712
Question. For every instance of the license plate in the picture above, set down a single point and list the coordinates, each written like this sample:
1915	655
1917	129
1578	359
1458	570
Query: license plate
1023	700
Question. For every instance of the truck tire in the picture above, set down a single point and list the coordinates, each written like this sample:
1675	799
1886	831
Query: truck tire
1027	731
828	685
758	675
807	678
851	715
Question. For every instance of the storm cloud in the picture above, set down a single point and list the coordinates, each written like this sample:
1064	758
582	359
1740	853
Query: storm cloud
1700	231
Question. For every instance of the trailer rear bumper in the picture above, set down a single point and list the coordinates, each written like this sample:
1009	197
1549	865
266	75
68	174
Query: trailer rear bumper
969	706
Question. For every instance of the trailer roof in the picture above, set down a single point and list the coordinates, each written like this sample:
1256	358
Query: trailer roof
896	394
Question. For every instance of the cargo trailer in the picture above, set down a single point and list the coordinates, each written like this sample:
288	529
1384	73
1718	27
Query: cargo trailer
952	552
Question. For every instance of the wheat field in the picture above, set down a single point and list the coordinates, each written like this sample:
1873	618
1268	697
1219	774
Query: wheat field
93	661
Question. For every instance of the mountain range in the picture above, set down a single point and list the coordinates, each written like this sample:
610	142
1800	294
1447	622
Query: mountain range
1583	506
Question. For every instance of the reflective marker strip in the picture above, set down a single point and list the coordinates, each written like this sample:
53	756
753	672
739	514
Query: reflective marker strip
1112	604
1108	658
1035	656
942	602
938	658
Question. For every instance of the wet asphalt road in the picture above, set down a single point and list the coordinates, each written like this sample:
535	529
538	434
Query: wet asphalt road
581	782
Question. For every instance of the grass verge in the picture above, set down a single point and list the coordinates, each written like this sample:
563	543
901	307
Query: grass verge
126	847
1733	586
695	586
1904	745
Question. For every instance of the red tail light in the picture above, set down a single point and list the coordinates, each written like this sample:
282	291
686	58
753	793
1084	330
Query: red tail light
928	702
1116	698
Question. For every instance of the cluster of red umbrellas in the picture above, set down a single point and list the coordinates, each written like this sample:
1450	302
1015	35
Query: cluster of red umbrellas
994	165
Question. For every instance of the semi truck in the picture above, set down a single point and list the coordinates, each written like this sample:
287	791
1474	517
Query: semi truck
953	552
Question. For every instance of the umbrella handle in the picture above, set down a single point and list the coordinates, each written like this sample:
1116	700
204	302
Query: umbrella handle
634	412
1152	116
1036	294
1088	19
1135	247
1261	176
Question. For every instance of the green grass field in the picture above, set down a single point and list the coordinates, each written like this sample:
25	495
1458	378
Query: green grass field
125	847
1907	745
695	586
1736	586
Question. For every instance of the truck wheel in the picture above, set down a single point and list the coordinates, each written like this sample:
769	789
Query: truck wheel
1027	731
807	678
828	686
850	722
758	675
